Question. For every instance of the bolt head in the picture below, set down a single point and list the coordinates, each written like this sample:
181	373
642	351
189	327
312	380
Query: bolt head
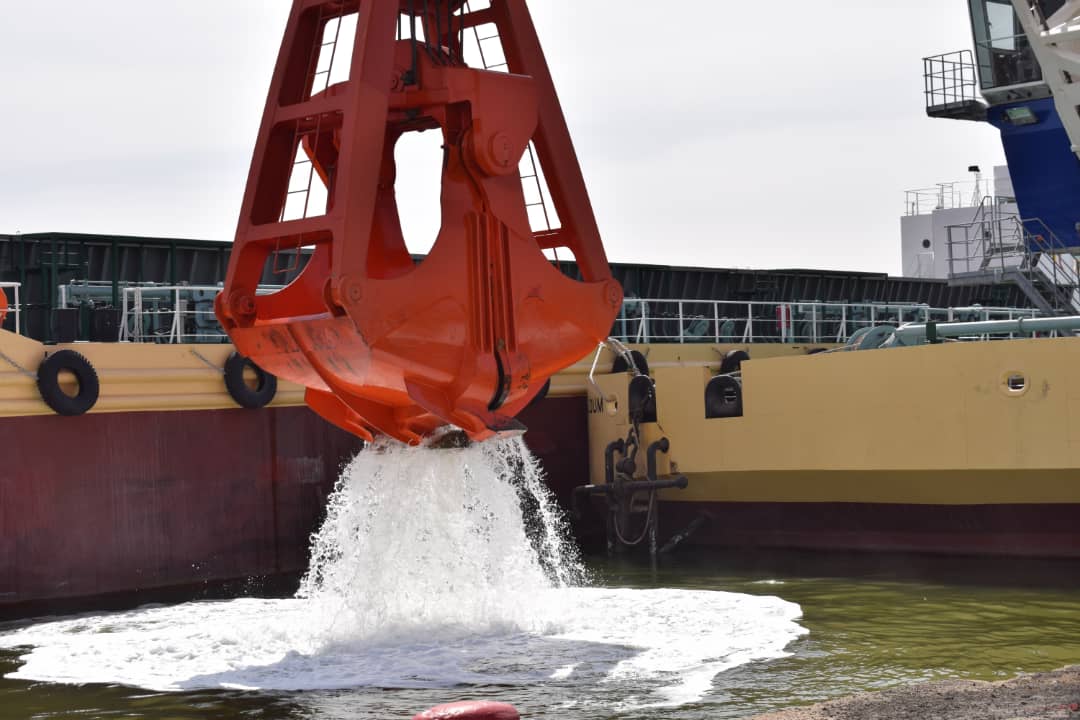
243	304
614	293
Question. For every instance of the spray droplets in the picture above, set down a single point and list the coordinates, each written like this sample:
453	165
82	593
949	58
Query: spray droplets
417	537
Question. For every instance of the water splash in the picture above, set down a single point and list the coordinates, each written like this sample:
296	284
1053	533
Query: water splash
416	538
434	569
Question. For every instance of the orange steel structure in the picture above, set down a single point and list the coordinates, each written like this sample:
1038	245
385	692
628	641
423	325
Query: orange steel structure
469	335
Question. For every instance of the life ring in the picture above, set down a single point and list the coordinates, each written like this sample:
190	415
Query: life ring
783	320
246	396
48	382
3	307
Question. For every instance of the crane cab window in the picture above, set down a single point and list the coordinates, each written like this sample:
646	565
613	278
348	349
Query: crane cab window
1003	51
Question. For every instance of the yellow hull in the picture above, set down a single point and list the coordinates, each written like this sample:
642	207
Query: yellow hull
960	447
147	377
134	377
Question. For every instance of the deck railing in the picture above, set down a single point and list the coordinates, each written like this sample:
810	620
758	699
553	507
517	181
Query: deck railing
185	313
728	321
173	313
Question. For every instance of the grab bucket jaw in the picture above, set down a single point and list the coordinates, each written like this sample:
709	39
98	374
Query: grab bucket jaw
385	344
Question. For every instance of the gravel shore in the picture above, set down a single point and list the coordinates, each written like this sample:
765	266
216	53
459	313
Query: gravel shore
1040	696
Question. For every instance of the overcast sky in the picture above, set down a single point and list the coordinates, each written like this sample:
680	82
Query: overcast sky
727	134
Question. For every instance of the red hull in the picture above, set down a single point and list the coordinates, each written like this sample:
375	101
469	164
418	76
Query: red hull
133	502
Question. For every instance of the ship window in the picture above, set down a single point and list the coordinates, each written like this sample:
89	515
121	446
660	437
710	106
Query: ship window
1004	54
1016	382
999	22
1049	7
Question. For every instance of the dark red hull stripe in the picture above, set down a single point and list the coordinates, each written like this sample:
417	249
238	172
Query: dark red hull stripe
1019	530
121	502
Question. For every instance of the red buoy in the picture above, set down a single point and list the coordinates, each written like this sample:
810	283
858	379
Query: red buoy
470	710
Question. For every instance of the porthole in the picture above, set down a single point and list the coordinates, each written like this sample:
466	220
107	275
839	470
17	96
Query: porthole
1015	383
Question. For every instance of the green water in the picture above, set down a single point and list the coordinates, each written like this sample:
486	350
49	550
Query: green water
872	624
880	622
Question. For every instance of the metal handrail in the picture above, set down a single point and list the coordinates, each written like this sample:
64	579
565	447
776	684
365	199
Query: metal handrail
943	196
1064	281
681	320
15	307
949	79
133	313
641	320
985	242
998	242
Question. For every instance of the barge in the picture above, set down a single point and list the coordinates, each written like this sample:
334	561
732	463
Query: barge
165	481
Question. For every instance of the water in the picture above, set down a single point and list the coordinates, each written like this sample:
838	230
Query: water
877	622
429	585
435	574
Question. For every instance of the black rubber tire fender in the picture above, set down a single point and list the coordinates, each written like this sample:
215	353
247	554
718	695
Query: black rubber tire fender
244	395
620	364
641	398
733	361
48	382
723	397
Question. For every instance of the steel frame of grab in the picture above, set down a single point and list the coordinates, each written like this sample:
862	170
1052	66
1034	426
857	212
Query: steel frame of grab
470	335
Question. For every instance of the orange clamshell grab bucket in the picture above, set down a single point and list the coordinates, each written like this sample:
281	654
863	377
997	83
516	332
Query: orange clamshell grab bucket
470	334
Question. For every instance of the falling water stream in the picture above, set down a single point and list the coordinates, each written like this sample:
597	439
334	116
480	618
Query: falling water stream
437	575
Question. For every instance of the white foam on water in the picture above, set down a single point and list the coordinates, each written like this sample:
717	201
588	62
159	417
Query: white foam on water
433	569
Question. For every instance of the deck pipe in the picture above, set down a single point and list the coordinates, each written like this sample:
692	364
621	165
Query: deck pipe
661	445
652	481
616	446
669	481
1067	323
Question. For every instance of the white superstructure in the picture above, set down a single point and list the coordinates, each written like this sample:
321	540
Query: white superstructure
929	212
